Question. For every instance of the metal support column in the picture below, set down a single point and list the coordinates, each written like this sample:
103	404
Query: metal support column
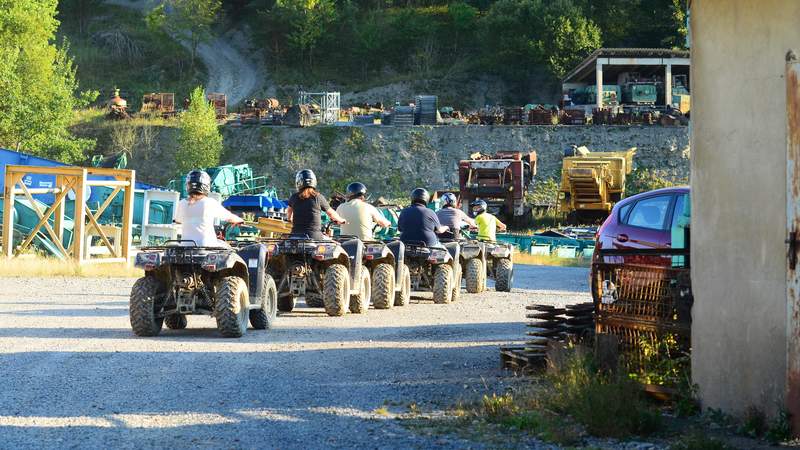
668	85
599	81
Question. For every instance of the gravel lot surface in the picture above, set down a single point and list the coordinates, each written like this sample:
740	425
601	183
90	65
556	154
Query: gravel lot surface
74	375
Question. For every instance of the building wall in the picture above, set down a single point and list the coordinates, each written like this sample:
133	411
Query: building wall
739	199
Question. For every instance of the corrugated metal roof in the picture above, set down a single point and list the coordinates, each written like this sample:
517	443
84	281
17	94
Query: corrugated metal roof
626	52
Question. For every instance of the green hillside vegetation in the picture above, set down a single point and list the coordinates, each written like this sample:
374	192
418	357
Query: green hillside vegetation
113	47
369	42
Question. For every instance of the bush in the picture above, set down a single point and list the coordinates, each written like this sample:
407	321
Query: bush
200	139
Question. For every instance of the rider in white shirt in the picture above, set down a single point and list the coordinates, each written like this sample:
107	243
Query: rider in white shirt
197	214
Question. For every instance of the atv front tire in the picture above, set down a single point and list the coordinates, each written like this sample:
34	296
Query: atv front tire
403	296
336	290
230	306
476	276
145	303
264	317
383	286
443	284
359	303
504	275
176	321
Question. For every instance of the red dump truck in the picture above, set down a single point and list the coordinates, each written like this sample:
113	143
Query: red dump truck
501	180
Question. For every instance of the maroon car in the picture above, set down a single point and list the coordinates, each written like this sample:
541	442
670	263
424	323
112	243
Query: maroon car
643	221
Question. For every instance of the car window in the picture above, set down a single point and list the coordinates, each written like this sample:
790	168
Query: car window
623	210
650	212
678	211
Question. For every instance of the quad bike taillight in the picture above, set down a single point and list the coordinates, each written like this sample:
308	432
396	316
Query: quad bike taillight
210	263
321	251
148	261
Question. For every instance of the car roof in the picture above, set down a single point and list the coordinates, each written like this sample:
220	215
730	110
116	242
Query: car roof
666	190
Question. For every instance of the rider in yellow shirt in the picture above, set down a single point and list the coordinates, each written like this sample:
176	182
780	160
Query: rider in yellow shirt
487	223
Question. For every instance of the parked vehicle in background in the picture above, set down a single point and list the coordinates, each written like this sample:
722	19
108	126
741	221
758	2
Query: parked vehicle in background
644	220
651	220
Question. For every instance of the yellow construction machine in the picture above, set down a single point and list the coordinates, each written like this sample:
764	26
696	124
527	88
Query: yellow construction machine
592	182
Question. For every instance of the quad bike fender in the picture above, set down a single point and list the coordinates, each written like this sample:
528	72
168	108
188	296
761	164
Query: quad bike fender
500	251
255	256
354	249
398	250
454	249
377	253
227	265
471	250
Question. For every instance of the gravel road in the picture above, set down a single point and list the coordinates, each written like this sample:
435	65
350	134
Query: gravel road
74	376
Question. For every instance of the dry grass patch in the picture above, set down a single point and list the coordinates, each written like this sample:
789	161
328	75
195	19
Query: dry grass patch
549	260
30	267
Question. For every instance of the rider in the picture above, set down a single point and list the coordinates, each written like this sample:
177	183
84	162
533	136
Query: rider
417	223
196	214
452	217
487	223
361	217
306	207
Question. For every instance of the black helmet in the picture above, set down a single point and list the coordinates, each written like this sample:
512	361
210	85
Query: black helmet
198	182
477	207
420	195
305	178
355	190
449	199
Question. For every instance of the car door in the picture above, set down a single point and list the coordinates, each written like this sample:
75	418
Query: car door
646	223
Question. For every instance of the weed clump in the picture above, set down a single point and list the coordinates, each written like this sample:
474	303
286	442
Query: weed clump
608	404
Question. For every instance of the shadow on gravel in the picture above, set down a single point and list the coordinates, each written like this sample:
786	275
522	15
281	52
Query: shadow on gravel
495	333
76	312
287	399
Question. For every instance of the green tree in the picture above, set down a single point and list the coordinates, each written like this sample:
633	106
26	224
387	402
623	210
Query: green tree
200	142
307	21
190	19
37	83
572	37
522	35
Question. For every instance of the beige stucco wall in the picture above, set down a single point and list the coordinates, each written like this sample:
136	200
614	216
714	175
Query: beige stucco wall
738	199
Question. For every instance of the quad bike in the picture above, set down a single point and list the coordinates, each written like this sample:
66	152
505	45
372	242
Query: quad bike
182	278
482	259
324	273
435	269
391	278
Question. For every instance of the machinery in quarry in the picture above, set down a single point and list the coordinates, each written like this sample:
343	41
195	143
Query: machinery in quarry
592	182
501	180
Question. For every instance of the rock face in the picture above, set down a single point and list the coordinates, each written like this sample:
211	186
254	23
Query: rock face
393	160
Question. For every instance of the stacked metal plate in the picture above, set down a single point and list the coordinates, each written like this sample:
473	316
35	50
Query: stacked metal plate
579	323
403	116
426	107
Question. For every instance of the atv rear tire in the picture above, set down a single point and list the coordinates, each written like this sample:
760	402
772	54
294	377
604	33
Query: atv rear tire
475	276
144	305
456	283
264	317
504	275
176	321
403	296
383	286
359	303
336	290
443	284
230	306
286	304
